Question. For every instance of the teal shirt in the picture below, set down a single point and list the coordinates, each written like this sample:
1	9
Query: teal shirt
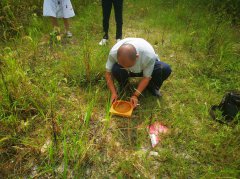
145	61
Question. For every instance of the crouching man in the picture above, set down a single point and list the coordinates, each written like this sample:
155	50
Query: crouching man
135	57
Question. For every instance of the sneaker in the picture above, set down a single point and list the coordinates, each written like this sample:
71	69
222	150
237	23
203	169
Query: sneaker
155	92
103	42
118	40
68	34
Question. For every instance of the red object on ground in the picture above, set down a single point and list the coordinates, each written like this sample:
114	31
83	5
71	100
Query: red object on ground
154	130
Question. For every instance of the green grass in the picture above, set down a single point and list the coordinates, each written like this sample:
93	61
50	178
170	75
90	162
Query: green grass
57	93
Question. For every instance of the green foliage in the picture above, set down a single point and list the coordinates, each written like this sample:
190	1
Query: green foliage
230	8
54	103
15	15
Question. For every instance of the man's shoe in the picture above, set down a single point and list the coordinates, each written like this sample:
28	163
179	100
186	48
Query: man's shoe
155	92
103	42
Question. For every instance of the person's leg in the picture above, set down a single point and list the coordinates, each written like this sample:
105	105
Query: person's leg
54	22
66	24
118	10
106	8
120	74
160	73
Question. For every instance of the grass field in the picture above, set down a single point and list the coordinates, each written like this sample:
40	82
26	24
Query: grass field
54	120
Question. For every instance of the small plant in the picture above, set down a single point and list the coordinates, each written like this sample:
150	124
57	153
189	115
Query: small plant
54	102
55	37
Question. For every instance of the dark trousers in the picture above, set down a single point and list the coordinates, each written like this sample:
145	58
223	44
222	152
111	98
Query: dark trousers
160	73
118	9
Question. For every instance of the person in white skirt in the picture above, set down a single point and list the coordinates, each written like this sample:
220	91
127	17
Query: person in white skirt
59	9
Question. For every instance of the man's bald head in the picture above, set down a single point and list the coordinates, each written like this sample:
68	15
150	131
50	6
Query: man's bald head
127	55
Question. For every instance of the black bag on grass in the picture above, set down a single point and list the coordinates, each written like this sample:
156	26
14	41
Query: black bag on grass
229	107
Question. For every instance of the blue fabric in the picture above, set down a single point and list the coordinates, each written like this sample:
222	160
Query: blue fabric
160	73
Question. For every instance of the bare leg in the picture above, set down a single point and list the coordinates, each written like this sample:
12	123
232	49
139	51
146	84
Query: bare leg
66	24
54	22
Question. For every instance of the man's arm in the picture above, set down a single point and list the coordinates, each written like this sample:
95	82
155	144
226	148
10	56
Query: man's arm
147	73
141	86
111	86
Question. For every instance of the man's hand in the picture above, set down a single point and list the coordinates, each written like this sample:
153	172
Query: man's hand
114	97
134	101
141	86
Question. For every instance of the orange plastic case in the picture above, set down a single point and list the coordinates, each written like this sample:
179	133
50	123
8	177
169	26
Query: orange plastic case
122	108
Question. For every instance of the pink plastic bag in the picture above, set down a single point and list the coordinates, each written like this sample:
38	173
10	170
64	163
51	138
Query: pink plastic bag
155	130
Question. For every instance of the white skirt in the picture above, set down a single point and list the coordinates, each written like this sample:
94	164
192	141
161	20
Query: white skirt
58	8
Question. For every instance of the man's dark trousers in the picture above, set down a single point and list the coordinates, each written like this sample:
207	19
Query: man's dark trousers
160	73
118	8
